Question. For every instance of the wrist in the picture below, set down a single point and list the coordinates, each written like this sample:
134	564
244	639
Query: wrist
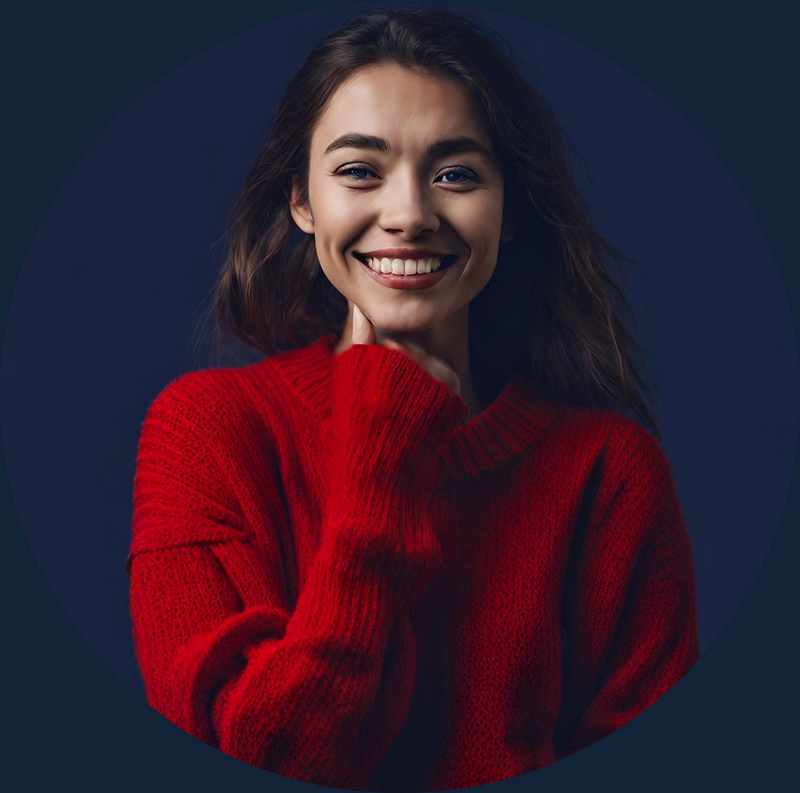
389	418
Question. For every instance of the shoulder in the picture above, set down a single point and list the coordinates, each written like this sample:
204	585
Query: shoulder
619	445
274	385
211	402
628	496
635	479
197	400
203	387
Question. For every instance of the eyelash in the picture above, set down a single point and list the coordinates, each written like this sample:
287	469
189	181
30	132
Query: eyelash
470	175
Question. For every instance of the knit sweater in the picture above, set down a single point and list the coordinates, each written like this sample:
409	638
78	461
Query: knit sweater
336	577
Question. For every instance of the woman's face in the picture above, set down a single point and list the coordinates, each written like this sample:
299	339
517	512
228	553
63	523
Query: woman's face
402	176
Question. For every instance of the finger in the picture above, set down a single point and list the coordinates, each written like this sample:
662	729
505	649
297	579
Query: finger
433	365
412	352
441	371
363	331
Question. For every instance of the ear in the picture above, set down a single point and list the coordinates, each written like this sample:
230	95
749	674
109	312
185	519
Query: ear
508	227
508	230
300	209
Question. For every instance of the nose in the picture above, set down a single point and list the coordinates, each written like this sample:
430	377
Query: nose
408	210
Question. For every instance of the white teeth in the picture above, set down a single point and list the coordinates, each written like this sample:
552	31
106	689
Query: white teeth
404	267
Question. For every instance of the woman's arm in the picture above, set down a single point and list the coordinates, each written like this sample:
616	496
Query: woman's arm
629	608
319	689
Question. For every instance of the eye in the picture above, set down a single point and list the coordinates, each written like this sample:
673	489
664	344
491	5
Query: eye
356	172
457	176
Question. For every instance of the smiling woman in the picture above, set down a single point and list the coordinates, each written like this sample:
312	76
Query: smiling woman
420	171
396	555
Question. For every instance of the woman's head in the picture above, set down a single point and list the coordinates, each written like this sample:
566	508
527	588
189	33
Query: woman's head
401	173
551	290
439	57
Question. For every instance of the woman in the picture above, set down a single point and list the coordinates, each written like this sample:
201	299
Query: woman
418	547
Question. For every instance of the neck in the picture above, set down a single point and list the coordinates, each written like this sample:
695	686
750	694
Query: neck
449	340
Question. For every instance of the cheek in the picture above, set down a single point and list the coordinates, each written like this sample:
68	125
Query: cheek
338	219
482	225
483	238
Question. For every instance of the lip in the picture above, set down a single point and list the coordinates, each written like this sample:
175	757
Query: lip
393	281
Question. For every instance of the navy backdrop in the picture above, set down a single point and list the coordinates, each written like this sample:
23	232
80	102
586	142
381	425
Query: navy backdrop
105	309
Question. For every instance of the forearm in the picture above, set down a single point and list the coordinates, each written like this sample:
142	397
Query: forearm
315	689
293	694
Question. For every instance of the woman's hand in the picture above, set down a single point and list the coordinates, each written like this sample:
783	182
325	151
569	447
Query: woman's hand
364	333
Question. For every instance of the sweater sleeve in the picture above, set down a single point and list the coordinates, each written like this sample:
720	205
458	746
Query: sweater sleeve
630	626
316	689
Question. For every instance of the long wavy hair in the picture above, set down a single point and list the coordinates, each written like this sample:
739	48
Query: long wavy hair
551	310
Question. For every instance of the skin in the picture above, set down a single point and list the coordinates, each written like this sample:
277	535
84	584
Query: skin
360	199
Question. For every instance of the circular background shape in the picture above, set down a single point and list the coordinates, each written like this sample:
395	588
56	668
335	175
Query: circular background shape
106	301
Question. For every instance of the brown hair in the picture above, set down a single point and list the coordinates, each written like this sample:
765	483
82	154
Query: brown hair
553	294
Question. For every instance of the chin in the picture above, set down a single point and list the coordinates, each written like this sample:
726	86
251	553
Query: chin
389	324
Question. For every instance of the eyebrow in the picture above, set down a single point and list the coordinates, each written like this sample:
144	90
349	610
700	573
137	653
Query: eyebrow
441	148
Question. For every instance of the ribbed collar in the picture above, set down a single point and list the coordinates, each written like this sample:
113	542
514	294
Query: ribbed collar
504	429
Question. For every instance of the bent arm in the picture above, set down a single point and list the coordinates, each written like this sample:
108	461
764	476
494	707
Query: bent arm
293	694
315	690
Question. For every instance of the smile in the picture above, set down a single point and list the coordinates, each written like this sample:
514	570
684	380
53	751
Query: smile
403	266
406	273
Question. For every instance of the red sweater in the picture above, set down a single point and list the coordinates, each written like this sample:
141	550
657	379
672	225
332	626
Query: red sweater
333	577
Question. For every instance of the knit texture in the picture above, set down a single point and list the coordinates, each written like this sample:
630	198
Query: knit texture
336	577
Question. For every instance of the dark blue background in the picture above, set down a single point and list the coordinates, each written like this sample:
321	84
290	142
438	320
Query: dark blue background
118	241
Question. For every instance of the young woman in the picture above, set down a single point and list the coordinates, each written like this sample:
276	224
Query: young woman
418	547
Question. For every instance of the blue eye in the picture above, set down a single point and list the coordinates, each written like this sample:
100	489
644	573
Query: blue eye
456	177
357	173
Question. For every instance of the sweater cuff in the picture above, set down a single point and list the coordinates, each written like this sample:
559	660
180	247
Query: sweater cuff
390	421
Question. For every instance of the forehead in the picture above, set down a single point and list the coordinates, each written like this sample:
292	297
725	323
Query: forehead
404	106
